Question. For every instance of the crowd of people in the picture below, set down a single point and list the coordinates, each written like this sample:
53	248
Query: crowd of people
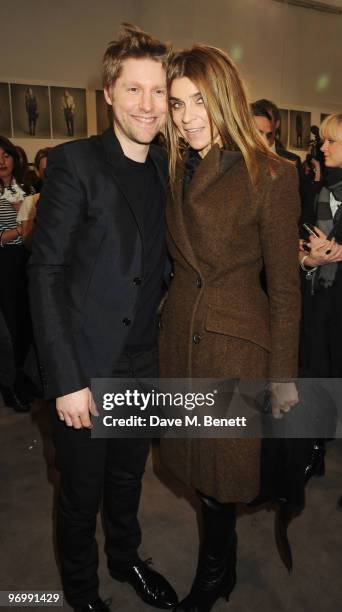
98	258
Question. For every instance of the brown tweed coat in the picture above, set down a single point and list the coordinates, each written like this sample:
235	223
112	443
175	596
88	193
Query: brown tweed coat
219	238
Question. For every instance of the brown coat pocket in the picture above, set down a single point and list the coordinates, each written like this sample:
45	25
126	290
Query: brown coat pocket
222	321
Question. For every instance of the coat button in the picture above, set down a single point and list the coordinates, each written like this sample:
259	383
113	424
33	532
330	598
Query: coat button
137	281
199	282
126	321
196	338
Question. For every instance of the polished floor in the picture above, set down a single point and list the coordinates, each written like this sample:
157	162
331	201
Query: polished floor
28	481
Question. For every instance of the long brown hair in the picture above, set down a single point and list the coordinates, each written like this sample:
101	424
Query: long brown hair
225	100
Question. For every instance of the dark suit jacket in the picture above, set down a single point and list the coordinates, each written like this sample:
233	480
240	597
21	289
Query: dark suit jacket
86	257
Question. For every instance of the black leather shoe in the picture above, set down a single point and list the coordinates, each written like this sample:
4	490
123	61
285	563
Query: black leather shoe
151	586
12	400
95	606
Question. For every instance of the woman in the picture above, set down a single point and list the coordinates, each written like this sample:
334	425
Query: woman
234	209
13	256
321	330
322	342
28	210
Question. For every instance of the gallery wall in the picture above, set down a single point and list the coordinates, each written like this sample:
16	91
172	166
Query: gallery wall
287	54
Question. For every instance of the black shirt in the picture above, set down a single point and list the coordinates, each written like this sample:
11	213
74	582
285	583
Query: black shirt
147	195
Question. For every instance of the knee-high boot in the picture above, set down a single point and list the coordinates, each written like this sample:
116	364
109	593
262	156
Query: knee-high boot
216	569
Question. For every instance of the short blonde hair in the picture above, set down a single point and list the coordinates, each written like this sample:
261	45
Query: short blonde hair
331	127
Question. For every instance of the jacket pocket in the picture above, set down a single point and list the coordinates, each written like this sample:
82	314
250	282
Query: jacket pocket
254	329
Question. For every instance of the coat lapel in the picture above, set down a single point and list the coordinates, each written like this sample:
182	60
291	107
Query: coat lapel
115	159
215	163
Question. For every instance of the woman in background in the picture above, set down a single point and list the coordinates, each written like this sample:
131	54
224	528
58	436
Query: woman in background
234	209
13	256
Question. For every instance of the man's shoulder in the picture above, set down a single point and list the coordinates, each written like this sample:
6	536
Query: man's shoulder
288	154
77	149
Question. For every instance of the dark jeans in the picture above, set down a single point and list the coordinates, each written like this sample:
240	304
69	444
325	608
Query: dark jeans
14	306
91	469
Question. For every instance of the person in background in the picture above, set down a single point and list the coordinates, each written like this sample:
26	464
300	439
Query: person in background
14	303
29	175
262	109
28	210
31	106
320	258
68	107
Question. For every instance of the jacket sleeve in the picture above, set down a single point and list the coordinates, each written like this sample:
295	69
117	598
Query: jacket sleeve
60	212
280	211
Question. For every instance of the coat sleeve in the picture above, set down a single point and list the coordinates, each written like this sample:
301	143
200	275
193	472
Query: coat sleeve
60	212
280	211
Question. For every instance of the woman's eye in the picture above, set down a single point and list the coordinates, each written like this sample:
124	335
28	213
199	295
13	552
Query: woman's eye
133	89
199	100
175	105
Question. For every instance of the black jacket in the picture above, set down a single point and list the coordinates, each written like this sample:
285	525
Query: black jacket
86	257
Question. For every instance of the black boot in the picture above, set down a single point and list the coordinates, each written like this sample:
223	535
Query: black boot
216	568
316	466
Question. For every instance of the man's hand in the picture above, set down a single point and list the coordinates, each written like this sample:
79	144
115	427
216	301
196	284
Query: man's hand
283	396
75	408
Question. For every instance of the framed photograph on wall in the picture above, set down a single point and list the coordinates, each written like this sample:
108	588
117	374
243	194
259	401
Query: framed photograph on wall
104	112
300	122
5	111
282	132
30	111
68	112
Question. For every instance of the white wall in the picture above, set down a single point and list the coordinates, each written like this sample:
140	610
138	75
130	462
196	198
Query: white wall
284	50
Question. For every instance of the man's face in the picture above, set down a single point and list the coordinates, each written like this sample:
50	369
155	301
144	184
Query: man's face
138	99
266	129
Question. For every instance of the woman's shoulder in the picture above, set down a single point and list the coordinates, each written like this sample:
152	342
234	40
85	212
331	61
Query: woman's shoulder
275	168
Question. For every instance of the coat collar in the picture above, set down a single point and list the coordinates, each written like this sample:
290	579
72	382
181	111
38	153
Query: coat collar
214	164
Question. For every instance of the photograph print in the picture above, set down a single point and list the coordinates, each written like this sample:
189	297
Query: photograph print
282	132
5	113
69	112
104	112
31	111
300	122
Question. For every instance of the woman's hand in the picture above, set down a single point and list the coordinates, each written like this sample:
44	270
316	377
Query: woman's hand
322	251
283	397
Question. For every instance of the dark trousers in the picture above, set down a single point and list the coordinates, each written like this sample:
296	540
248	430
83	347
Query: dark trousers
321	334
92	469
14	303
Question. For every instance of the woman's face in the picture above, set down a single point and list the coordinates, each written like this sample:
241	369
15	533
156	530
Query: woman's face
332	150
190	116
6	166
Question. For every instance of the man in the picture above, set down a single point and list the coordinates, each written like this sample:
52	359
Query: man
68	107
96	275
267	119
31	106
